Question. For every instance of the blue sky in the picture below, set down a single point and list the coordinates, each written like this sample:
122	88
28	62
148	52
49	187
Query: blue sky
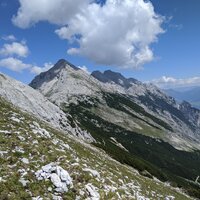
175	48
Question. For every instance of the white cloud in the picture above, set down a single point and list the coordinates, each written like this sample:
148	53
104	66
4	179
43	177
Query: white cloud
13	64
9	38
85	69
37	70
17	65
56	12
15	48
171	82
119	33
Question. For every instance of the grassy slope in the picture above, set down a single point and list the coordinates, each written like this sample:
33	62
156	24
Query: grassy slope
40	150
144	153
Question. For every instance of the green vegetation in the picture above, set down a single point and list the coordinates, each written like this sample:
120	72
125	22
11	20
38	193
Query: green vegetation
163	105
18	140
119	101
144	153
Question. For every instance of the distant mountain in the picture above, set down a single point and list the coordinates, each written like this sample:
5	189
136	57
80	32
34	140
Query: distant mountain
192	95
137	124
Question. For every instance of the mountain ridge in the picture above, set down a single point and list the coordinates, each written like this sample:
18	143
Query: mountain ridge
73	86
192	95
110	76
138	126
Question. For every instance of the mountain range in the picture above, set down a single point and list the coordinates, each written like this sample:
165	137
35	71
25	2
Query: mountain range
127	122
191	95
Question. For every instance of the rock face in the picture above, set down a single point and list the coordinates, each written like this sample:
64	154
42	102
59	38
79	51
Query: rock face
32	101
59	177
65	85
52	73
191	113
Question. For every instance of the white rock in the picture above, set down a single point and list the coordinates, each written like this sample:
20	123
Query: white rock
58	176
55	179
37	198
23	181
57	197
93	172
21	138
3	152
169	198
48	168
25	160
64	175
92	192
15	119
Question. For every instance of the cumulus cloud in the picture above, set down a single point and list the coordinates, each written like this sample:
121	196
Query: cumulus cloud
37	70
171	82
56	12
13	64
18	65
15	48
9	38
117	33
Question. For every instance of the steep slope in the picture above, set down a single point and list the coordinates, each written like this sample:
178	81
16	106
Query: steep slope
192	95
35	103
192	114
135	123
143	106
157	103
39	162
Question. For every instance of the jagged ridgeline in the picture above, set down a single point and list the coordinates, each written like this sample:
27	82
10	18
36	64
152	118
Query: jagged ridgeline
135	123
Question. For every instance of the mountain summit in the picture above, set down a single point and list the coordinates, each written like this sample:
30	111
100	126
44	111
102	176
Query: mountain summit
51	73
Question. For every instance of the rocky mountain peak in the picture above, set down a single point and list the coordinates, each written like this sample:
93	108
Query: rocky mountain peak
109	76
51	73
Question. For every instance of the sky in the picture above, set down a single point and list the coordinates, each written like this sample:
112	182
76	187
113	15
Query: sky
153	41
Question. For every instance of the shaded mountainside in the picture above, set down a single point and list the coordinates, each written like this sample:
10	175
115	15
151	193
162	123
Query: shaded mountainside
39	162
110	76
192	95
135	123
